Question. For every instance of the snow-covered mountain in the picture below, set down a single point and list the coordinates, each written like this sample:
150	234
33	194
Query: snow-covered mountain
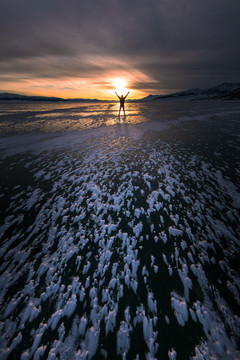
228	91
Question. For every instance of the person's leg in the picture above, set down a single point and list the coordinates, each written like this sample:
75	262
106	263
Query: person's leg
124	110
119	110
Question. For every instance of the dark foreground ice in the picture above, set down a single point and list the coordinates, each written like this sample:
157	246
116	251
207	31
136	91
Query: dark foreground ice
120	237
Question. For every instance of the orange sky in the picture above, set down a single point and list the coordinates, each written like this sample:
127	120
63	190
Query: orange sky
72	88
99	87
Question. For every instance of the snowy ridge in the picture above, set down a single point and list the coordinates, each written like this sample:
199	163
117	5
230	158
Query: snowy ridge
229	91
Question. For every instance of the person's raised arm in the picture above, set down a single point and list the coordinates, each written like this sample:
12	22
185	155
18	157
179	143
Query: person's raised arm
117	95
127	95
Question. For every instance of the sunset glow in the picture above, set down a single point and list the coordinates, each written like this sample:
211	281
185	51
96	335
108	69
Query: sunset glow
101	87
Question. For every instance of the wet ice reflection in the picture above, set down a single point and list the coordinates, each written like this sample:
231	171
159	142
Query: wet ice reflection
68	117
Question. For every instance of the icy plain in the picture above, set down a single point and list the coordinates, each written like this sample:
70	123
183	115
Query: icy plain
120	236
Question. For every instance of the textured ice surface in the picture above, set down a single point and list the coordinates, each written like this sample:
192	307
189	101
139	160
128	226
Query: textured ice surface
116	245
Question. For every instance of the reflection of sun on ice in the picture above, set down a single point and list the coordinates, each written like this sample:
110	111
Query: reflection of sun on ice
120	86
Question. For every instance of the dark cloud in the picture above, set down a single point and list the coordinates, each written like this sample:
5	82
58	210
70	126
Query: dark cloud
176	43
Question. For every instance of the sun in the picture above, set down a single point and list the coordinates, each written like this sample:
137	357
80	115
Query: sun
120	86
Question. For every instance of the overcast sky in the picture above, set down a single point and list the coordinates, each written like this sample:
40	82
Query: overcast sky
75	48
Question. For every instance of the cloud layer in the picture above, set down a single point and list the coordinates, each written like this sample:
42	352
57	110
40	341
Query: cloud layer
159	44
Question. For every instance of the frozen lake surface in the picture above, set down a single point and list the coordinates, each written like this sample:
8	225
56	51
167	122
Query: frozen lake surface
120	236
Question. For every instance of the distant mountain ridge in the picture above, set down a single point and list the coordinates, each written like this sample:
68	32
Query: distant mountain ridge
13	97
225	91
10	96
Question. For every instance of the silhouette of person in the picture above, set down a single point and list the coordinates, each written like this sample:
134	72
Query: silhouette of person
122	101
